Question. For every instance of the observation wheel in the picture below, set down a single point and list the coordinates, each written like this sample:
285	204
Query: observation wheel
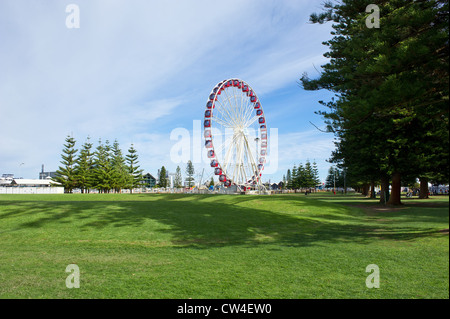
235	132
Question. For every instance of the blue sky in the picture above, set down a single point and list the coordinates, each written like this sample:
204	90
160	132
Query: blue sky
136	70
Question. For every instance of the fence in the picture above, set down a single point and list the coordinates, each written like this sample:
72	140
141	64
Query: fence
31	190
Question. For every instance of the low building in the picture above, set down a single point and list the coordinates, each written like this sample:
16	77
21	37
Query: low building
30	186
148	181
25	182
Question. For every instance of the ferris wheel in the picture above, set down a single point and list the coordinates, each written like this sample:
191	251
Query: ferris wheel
235	132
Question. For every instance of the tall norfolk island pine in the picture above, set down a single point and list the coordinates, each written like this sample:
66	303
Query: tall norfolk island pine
66	174
190	174
84	167
120	176
133	168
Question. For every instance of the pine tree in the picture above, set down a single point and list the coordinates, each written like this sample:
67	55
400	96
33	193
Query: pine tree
295	178
288	179
301	176
316	176
163	177
84	167
120	175
178	180
102	167
331	177
309	179
391	88
190	174
66	174
132	160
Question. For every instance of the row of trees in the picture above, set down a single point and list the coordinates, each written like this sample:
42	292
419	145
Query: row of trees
178	178
105	168
390	110
306	176
336	178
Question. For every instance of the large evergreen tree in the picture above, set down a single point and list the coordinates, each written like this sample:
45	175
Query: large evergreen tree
288	179
66	174
391	86
315	173
163	181
295	177
190	174
132	160
102	167
121	177
84	167
178	180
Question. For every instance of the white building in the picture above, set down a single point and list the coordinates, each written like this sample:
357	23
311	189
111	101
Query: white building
29	186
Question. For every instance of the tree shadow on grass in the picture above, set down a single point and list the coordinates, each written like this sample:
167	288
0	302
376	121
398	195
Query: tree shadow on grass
204	221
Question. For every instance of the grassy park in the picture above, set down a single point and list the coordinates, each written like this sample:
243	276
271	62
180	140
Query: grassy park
220	246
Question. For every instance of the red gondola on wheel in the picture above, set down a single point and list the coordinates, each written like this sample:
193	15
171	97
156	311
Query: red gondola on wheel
214	163
222	178
211	154
218	171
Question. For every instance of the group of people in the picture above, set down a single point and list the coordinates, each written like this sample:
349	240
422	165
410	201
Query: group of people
433	191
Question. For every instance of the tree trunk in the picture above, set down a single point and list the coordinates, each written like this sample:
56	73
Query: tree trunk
365	189
372	189
394	199
423	194
384	194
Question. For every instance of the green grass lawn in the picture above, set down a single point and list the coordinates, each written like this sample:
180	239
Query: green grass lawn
221	246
